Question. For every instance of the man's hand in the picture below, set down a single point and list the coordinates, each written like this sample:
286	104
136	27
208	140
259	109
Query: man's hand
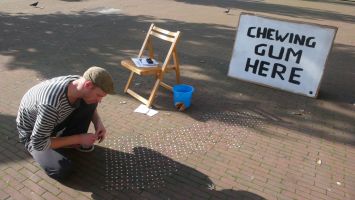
100	132
88	139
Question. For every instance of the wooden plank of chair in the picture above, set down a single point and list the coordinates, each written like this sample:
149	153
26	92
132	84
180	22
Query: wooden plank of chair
166	32
169	54
163	37
145	40
129	82
139	70
137	96
177	66
153	92
166	86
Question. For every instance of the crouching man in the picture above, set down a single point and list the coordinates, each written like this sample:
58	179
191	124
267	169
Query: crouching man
56	113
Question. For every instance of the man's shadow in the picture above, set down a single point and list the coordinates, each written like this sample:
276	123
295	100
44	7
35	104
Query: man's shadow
142	174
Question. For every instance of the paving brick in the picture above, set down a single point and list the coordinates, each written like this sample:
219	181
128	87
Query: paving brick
4	195
222	183
34	187
318	195
83	197
319	190
64	196
273	186
9	181
277	174
49	187
288	195
43	176
15	174
15	194
270	193
31	167
30	194
28	174
49	196
288	186
69	191
261	176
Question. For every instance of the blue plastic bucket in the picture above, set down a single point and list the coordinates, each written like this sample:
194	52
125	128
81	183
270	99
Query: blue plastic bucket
183	94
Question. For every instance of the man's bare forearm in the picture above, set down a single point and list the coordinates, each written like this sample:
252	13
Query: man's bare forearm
58	142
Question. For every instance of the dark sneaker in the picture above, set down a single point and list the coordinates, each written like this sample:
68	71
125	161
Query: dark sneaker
86	149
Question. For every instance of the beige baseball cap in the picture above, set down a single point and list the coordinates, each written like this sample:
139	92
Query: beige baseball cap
100	78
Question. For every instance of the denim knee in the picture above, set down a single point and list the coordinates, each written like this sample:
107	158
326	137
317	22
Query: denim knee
60	173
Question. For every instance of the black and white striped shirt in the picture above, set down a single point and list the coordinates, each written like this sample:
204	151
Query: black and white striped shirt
42	108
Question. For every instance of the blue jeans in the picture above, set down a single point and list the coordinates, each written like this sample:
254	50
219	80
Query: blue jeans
54	161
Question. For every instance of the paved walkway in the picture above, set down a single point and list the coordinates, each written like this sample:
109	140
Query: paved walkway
237	141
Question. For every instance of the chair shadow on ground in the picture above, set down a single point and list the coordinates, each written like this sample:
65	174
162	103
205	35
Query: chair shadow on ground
142	174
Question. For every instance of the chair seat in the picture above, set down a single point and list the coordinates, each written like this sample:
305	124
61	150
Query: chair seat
129	64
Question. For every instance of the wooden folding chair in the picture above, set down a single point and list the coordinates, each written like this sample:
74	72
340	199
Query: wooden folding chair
159	70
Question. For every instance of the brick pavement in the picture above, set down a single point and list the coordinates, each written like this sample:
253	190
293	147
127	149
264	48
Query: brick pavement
237	141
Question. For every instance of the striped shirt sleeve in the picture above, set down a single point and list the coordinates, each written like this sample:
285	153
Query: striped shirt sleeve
47	117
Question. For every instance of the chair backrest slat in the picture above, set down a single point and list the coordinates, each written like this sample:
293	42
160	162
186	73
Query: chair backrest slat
162	36
166	32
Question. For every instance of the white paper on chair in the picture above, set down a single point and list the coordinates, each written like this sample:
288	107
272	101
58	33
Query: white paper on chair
141	62
145	110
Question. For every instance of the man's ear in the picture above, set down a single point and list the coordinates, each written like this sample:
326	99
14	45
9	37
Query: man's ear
88	84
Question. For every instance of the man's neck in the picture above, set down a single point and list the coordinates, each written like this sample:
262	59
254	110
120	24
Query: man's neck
73	92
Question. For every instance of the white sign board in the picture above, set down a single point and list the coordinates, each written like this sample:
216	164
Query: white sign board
282	54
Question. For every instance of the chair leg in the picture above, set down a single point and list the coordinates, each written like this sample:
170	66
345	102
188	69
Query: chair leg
128	82
152	94
177	67
177	72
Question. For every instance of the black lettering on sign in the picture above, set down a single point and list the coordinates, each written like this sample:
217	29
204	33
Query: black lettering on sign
254	67
270	34
274	34
263	49
278	57
260	51
293	74
263	68
278	69
261	33
249	32
298	54
309	42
